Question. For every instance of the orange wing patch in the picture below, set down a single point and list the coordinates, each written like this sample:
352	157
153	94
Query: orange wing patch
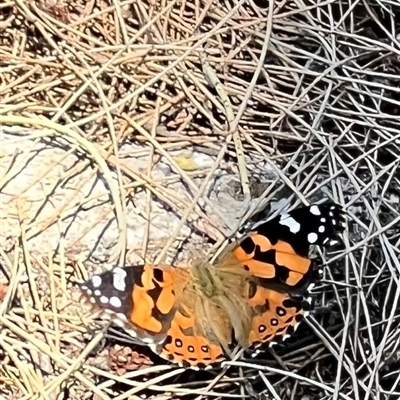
154	296
183	346
275	314
263	259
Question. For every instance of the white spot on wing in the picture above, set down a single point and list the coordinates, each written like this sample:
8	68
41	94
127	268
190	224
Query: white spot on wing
96	281
97	293
290	222
323	219
115	302
312	237
120	271
315	210
104	299
321	229
119	276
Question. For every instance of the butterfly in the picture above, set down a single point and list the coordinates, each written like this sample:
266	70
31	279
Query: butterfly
255	294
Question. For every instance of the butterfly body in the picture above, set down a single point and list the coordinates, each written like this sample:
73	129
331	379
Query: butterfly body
254	294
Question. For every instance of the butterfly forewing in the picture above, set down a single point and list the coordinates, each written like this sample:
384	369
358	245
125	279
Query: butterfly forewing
151	304
278	250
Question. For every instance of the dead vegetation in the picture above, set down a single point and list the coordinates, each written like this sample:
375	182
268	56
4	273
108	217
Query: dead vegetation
295	100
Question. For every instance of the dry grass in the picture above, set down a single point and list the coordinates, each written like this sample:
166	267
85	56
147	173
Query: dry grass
308	89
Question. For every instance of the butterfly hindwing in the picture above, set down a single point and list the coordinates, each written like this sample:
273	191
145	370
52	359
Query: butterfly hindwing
188	347
275	314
